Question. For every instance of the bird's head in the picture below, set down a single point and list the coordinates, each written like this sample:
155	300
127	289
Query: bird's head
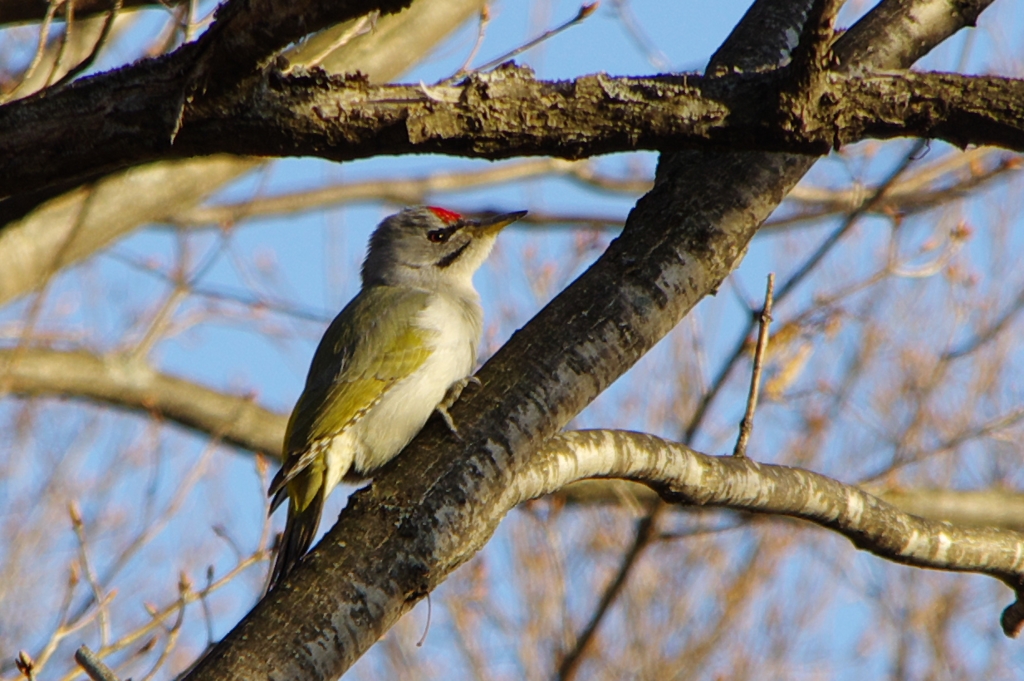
429	246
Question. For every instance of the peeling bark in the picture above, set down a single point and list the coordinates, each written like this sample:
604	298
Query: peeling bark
503	114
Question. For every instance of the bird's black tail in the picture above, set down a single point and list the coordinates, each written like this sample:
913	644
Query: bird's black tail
298	536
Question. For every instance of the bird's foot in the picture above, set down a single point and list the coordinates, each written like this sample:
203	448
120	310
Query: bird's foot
450	397
443	411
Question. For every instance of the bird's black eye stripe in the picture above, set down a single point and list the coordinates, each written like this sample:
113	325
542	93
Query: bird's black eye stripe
440	236
449	260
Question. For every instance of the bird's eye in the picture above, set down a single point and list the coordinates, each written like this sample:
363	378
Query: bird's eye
439	236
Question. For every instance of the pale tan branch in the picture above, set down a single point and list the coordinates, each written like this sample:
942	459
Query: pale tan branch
411	190
133	385
245	424
73	226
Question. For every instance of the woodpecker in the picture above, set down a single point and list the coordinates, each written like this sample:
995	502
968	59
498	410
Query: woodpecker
401	349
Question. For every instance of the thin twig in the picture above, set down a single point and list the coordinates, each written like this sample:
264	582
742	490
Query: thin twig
481	32
65	39
25	665
747	424
986	335
90	575
92	665
654	56
426	625
585	11
158	616
795	280
37	58
184	589
207	613
645	534
108	25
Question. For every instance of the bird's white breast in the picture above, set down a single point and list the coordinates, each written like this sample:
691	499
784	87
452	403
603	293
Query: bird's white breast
454	324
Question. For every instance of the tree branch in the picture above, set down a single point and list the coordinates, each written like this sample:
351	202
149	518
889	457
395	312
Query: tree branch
40	236
24	11
993	508
136	386
508	113
684	476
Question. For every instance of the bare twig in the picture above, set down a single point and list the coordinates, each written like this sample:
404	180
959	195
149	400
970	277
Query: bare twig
747	424
986	335
654	56
108	24
481	32
44	34
158	616
25	665
184	589
645	534
92	665
207	614
398	190
585	11
90	574
795	279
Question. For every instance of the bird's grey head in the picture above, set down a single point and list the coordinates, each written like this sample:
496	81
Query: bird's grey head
429	246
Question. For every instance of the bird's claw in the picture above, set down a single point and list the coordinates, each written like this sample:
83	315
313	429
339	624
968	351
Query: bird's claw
443	411
450	397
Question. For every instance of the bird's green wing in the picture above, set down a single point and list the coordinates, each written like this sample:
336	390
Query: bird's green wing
372	344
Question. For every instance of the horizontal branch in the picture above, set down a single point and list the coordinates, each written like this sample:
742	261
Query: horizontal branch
994	507
397	190
23	11
79	375
503	114
682	475
135	386
509	113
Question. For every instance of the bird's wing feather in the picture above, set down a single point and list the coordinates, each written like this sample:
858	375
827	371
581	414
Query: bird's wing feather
375	344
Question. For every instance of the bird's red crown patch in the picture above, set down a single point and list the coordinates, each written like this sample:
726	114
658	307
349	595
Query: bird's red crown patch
449	216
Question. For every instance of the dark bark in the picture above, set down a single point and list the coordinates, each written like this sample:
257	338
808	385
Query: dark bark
26	11
504	114
509	114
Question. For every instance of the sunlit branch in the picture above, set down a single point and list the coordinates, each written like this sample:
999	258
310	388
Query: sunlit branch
138	387
682	475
